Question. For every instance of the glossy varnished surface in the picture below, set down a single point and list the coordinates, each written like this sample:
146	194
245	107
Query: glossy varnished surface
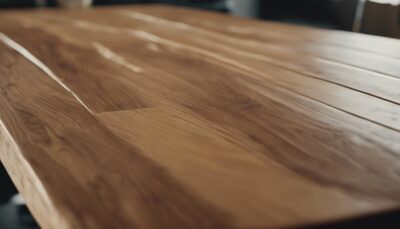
161	117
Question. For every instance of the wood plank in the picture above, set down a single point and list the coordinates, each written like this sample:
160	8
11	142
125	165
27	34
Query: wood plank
112	120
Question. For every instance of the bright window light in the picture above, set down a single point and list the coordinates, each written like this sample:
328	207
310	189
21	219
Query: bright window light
392	2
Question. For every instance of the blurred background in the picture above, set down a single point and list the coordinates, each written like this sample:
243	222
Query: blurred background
378	17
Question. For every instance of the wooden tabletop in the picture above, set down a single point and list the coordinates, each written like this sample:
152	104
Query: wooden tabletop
162	117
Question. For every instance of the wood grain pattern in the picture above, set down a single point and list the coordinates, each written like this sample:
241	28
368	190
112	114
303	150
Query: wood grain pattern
163	117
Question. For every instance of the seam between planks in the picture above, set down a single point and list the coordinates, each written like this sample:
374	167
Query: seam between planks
29	56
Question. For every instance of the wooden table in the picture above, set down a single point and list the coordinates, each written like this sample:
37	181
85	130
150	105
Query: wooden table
162	117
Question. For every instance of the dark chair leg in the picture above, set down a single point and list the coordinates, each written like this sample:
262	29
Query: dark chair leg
14	214
7	188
